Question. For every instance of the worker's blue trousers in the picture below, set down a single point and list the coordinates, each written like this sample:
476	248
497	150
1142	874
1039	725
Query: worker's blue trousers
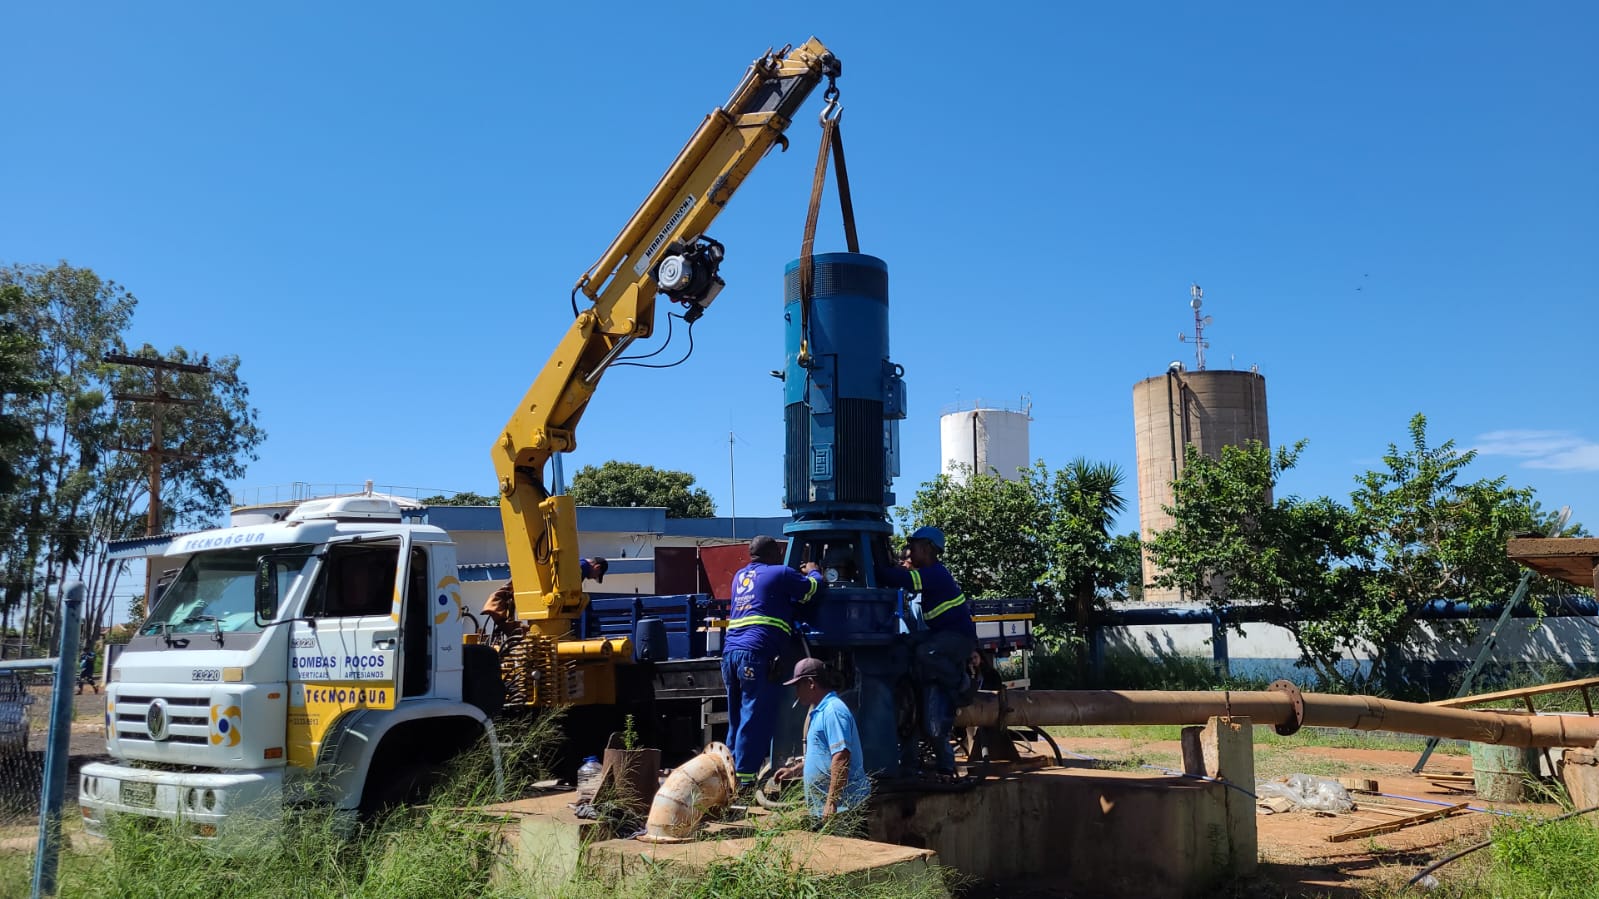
752	704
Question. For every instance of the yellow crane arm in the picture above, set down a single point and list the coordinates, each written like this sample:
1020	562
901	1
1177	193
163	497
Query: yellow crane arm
662	248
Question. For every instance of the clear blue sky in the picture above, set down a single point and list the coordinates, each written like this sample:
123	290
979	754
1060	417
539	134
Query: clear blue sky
1393	208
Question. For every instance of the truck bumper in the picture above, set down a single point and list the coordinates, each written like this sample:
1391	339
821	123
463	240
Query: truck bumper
207	802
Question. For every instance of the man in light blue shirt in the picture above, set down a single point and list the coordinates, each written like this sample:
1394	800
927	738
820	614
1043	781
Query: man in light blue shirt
834	766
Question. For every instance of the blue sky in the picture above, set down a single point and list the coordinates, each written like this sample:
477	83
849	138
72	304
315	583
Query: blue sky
1393	208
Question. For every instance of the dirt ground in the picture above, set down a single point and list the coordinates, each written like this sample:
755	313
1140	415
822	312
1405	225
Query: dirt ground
1297	860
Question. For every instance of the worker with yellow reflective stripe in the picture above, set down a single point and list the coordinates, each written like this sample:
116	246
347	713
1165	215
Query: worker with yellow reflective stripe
940	656
760	630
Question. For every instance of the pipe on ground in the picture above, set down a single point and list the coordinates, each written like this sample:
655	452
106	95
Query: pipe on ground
1282	706
707	781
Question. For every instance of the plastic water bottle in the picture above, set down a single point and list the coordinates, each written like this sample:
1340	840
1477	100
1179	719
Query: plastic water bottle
588	779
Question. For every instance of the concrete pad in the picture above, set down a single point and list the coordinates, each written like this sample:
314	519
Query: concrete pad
545	844
825	855
543	841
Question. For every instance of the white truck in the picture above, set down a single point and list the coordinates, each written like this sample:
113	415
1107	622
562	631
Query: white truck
319	656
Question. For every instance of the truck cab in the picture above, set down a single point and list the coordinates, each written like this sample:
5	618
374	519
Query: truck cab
297	660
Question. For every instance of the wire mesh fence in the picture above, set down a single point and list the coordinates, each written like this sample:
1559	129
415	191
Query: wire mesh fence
25	695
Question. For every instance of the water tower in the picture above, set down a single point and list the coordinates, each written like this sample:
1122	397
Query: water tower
986	440
1202	408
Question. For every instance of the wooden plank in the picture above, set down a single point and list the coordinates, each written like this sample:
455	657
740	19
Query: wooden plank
1517	694
1406	809
1386	813
1397	824
1570	559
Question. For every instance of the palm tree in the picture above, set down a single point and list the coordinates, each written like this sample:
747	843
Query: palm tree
1086	562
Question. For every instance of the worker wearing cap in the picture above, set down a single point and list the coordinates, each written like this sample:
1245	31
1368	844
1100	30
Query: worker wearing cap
941	654
760	628
834	767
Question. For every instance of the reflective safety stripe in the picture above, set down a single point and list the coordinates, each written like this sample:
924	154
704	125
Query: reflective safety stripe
812	591
916	581
749	620
943	607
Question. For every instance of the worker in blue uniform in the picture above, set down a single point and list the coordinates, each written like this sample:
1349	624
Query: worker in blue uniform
941	655
760	629
834	769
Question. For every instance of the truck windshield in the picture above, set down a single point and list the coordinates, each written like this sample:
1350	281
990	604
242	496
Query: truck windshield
216	591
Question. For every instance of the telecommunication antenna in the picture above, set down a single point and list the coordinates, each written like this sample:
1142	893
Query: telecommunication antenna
1200	322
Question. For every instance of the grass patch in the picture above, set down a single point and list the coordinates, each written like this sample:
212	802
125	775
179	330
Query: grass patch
1551	861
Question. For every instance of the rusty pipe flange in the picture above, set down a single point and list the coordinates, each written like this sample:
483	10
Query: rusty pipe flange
1286	687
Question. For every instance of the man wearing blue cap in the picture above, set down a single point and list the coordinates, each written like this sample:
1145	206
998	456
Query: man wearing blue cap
940	656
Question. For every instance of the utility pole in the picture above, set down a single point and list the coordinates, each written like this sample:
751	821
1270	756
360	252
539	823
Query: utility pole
732	485
156	453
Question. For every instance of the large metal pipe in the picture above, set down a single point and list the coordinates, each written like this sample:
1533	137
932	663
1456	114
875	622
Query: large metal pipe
1283	707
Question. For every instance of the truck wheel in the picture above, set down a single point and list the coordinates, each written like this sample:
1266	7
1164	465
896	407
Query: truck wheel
405	786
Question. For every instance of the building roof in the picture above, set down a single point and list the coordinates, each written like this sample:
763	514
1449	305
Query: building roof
590	519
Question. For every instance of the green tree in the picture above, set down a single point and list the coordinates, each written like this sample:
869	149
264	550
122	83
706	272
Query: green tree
19	384
631	484
75	315
463	498
1432	535
1344	579
991	530
1300	561
1045	535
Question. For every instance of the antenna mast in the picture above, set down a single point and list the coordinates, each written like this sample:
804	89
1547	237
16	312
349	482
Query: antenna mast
1200	321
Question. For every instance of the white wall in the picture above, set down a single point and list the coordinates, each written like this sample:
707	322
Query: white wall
1270	651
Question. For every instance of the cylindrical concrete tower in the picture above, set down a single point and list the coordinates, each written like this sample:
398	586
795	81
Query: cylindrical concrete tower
1208	409
986	441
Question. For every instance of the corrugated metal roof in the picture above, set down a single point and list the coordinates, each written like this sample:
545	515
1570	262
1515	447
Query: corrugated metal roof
142	547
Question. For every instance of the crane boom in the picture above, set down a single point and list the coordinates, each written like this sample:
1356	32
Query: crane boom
662	248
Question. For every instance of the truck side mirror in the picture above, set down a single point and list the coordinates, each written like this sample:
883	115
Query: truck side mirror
266	591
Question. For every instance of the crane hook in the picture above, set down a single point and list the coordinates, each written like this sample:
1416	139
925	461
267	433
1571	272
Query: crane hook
832	110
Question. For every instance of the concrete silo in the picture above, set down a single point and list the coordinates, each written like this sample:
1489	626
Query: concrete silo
1207	409
985	440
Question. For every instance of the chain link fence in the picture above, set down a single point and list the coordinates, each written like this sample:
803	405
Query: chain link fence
52	714
25	691
25	697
